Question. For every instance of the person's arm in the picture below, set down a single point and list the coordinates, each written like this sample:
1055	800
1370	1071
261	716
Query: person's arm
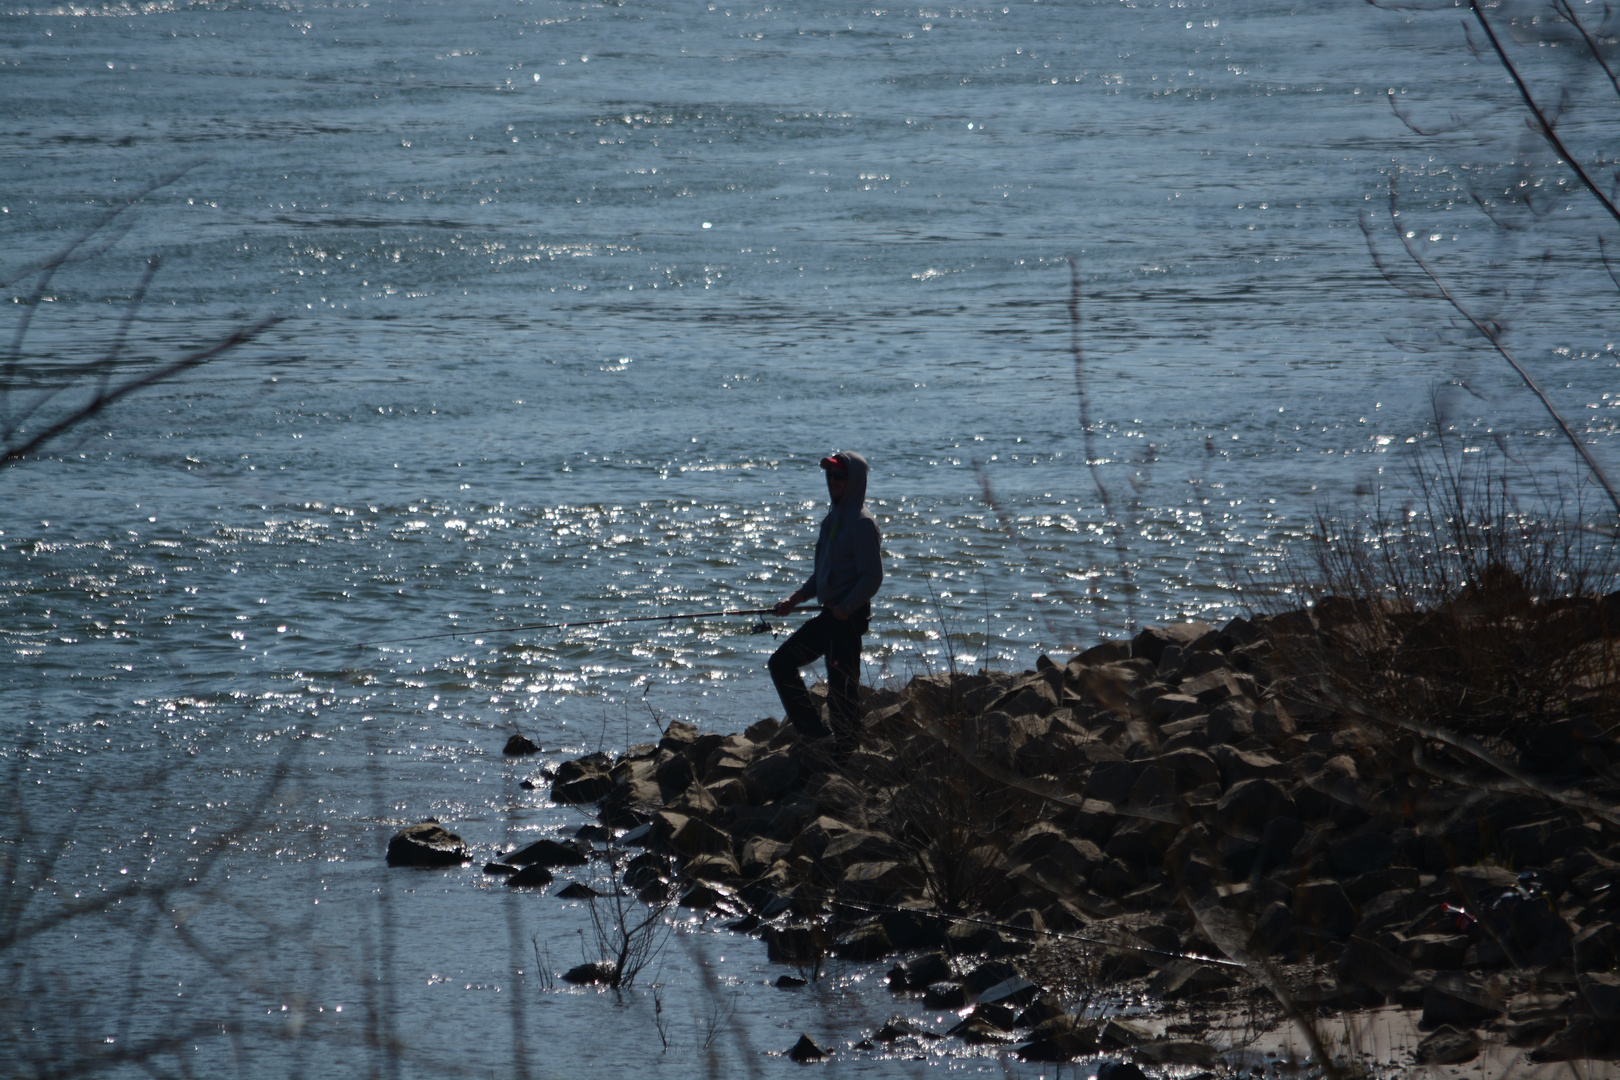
807	591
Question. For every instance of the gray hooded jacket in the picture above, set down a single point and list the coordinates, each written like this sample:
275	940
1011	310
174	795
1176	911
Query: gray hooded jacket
849	562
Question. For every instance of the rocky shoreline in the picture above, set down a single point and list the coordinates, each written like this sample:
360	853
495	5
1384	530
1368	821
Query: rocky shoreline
1171	816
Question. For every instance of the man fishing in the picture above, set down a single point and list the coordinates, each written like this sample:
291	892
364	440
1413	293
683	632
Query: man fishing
849	569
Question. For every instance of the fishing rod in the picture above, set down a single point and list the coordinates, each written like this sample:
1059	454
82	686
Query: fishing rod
760	628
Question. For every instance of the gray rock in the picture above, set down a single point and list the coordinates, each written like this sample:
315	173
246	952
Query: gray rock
547	852
519	746
899	1027
601	971
535	876
1602	994
919	972
1182	978
1374	963
426	843
1371	849
1178	1052
1013	991
878	882
977	1031
1250	805
945	995
1597	947
1029	697
1120	1070
1111	781
770	777
1437	952
582	787
1321	906
868	941
858	846
988	974
678	737
807	1050
1459	1000
697	837
576	890
1152	642
1447	1046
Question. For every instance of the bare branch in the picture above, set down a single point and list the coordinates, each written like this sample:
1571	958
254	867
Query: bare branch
1490	212
1564	8
1092	464
1607	263
101	401
47	268
1542	123
102	367
1385	271
1491	332
1457	123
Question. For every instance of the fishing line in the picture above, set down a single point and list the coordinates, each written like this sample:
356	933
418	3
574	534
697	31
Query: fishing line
762	627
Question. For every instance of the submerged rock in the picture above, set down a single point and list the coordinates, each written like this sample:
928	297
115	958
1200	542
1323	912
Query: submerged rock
550	853
602	971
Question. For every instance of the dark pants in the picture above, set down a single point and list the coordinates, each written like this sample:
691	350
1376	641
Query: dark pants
840	643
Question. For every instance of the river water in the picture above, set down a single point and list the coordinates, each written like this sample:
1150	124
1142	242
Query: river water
575	296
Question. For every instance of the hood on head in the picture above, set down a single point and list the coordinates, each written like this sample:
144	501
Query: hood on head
855	486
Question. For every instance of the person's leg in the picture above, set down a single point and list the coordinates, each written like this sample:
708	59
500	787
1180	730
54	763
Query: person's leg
806	644
844	678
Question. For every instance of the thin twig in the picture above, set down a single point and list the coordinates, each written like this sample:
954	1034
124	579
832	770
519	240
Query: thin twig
1492	334
1564	8
1092	464
1543	124
13	455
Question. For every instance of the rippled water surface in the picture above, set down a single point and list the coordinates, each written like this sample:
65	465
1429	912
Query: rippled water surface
576	296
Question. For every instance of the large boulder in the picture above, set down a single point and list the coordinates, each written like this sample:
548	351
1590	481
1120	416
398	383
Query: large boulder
1152	642
770	777
869	941
583	781
1249	806
1030	696
1454	998
858	846
1321	906
1447	1046
879	881
1112	781
426	843
678	737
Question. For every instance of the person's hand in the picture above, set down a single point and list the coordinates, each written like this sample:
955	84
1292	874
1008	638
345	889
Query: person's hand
840	614
784	606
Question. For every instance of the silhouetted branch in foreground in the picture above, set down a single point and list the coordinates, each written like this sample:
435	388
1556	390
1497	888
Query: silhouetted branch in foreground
1489	329
100	378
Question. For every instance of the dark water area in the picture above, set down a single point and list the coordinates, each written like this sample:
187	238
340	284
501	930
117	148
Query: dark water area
576	295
